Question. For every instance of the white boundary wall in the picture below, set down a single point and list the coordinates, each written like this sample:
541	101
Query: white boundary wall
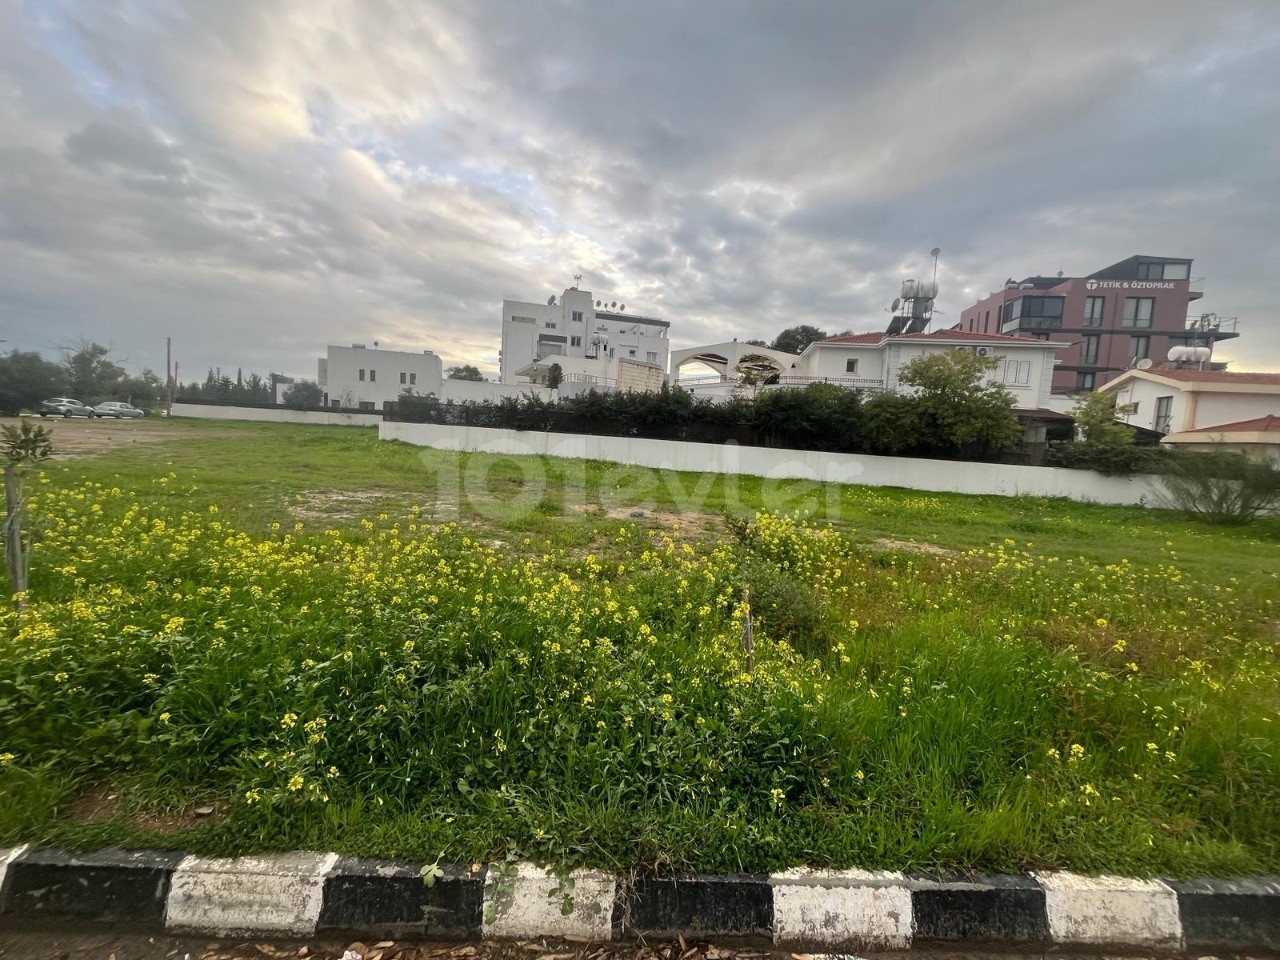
216	411
942	476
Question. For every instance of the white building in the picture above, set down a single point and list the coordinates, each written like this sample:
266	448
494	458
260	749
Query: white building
871	361
357	378
581	334
1180	400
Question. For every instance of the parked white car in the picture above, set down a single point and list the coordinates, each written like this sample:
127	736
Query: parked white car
114	408
65	407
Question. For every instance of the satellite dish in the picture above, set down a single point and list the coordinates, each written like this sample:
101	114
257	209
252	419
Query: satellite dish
597	303
897	302
551	300
614	304
622	306
1144	364
935	251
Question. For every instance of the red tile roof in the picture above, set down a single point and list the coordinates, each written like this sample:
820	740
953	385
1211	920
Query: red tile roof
957	336
1214	376
1266	424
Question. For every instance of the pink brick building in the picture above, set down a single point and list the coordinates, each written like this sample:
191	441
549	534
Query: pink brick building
1114	319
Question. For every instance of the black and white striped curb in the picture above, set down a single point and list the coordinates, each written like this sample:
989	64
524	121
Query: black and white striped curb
300	894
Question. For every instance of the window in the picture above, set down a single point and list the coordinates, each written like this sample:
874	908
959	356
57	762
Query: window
986	323
1089	348
575	341
373	375
651	356
1138	310
1164	271
404	377
1164	414
1139	348
335	403
523	320
551	324
577	316
631	352
413	378
850	366
362	374
1032	312
366	405
1017	372
1093	307
1084	381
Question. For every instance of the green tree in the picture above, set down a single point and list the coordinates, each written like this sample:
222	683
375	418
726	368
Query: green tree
1095	419
795	339
955	404
555	376
754	370
465	372
26	378
92	376
303	395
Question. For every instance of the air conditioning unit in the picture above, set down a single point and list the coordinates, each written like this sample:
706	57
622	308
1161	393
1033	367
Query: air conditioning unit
982	351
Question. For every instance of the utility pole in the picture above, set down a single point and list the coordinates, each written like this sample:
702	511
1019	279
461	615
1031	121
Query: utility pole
168	376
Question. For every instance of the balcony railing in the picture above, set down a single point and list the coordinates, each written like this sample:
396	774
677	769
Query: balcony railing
849	383
1212	323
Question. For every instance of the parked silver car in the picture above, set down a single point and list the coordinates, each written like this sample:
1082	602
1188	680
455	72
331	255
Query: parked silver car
65	407
114	408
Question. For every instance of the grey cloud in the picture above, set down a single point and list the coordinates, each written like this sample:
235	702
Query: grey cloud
258	179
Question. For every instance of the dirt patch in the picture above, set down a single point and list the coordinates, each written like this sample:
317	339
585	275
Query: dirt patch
65	944
690	523
326	505
913	546
105	803
78	437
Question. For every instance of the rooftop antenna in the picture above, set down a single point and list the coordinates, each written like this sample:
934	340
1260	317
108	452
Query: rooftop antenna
934	253
577	279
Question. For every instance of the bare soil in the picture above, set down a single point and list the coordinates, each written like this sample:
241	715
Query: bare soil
76	437
105	803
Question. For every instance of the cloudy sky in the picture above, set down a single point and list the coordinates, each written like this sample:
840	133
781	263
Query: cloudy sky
257	179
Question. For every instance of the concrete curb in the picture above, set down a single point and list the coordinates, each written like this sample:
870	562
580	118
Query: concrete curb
300	894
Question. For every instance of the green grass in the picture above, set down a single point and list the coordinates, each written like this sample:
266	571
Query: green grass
366	647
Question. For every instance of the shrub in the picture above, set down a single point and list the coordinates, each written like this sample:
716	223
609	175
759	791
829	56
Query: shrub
1220	488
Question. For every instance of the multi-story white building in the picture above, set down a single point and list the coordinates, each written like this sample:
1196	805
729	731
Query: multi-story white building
358	378
578	332
871	361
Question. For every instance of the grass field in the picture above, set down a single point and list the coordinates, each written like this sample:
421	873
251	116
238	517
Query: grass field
318	640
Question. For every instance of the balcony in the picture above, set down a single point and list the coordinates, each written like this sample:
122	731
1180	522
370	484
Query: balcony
1213	327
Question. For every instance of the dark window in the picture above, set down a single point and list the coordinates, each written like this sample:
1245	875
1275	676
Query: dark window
986	324
1138	310
850	366
1084	381
362	374
367	405
575	341
1163	271
403	377
373	375
413	378
1089	348
1139	348
1093	307
577	316
1164	413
